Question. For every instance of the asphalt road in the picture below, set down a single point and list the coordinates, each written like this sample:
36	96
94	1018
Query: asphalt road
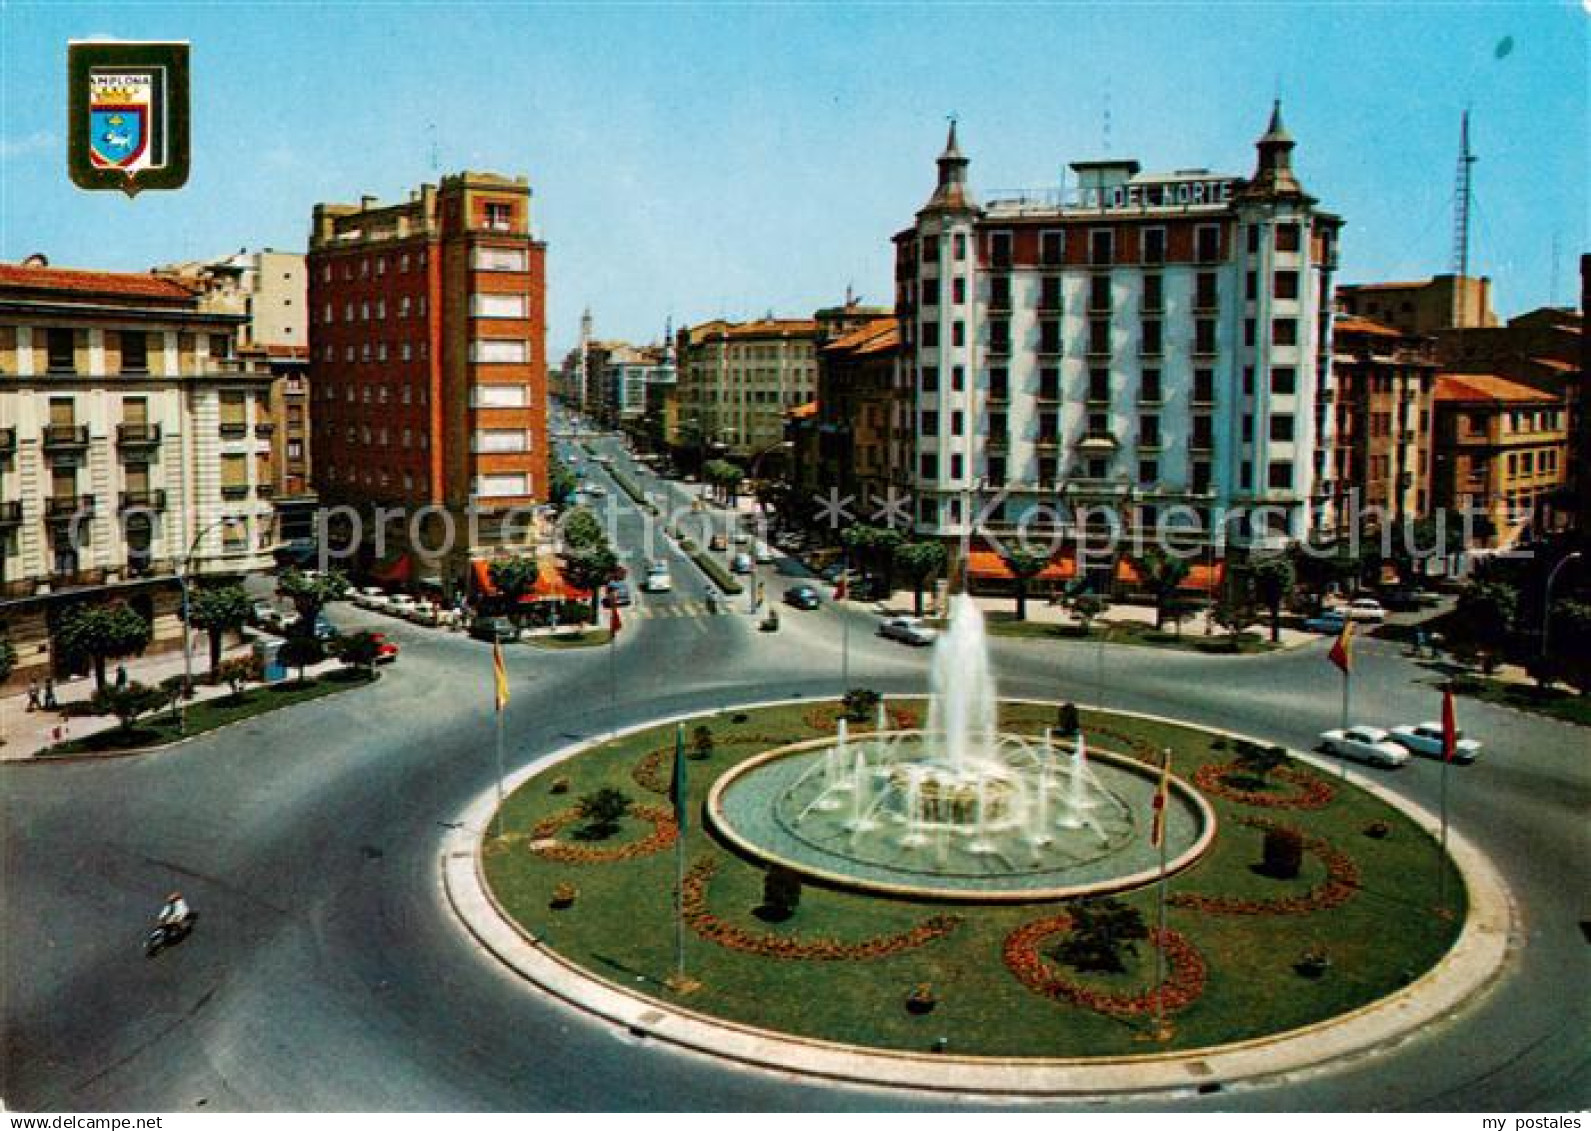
326	973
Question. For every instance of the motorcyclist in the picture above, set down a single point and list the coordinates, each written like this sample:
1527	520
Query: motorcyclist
175	913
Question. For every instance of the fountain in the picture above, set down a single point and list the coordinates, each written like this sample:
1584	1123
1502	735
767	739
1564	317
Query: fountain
957	808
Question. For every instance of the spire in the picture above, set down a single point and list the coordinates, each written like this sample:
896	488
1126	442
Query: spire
951	192
1276	131
1273	171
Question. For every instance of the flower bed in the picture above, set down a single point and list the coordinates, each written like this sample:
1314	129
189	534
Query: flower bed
1310	792
1185	973
1139	748
765	945
651	771
827	718
1342	881
663	834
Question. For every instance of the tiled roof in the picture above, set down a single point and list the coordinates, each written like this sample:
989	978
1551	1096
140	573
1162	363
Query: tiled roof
879	334
760	328
1554	363
1356	325
1470	387
92	283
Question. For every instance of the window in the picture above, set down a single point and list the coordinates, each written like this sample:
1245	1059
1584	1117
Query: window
1050	336
381	265
1251	284
58	348
1149	386
1199	480
1284	331
958	423
234	413
1204	335
1282	428
381	309
1052	248
1248	428
997	469
928	466
502	486
364	312
930	335
1288	237
999	384
1154	245
956	465
1148	471
958	332
1000	249
1000	292
500	440
1286	285
1151	338
1099	336
1280	476
1101	247
295	449
493	306
1154	293
930	381
135	351
958	378
1203	431
1099	384
500	351
234	476
958	290
929	424
1049	384
1099	293
1284	380
1207	243
499	259
1254	240
499	216
1050	293
1149	430
1204	386
1248	380
1206	291
958	247
1251	331
493	396
1000	335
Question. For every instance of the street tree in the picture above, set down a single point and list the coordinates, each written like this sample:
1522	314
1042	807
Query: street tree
1484	618
128	703
302	652
310	593
591	568
920	561
1024	567
1163	573
1570	642
219	610
99	633
513	578
1236	611
581	528
1089	607
1273	580
360	652
8	658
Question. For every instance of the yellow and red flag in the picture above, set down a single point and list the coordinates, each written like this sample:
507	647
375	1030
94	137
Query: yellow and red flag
499	675
1341	652
1157	829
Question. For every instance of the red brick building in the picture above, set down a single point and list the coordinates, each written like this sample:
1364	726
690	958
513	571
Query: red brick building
428	360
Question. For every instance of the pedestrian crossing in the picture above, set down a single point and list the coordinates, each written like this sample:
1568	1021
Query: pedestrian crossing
678	609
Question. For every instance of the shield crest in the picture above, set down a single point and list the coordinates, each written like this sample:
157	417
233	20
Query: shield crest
118	135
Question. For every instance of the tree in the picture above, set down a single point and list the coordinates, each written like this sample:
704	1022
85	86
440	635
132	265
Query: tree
781	893
301	652
860	541
8	658
1024	567
1067	719
1259	762
360	651
591	567
127	703
602	811
1163	574
1236	611
219	610
1484	617
561	483
1089	607
1102	931
239	672
1319	568
1273	579
581	529
701	743
98	633
513	578
310	594
1283	853
861	704
1570	642
919	561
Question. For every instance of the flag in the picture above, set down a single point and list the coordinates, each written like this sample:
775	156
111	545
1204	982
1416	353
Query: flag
1341	652
1449	726
678	791
614	621
499	675
840	584
1157	829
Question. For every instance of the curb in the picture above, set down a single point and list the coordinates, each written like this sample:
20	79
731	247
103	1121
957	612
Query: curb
1471	966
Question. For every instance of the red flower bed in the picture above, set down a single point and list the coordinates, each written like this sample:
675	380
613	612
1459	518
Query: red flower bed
827	718
1310	793
664	832
649	774
1185	972
1139	748
765	945
1342	881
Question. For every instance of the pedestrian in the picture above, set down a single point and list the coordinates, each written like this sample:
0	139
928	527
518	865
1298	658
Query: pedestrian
33	695
121	677
49	694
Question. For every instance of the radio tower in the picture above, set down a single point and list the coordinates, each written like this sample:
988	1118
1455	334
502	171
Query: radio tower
1461	200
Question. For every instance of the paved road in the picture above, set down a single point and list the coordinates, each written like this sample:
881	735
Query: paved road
327	975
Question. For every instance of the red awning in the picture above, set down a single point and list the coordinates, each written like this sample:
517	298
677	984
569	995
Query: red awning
1201	577
550	585
987	565
398	571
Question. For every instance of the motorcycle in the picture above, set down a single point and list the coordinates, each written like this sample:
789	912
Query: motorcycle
169	934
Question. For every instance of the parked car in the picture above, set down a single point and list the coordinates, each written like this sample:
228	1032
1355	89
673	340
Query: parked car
1330	621
742	538
658	581
370	597
831	573
401	605
1365	744
1427	739
423	612
270	618
740	563
764	553
802	597
493	628
908	630
596	491
1366	609
618	594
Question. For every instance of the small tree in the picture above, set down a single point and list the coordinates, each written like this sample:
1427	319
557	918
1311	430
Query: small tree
1236	612
581	528
302	652
1284	853
1274	580
861	704
1163	574
360	652
701	743
99	633
1024	567
239	672
1485	615
310	595
919	561
591	567
220	610
514	578
1067	719
1103	930
1570	640
781	893
128	703
1259	762
602	811
1089	607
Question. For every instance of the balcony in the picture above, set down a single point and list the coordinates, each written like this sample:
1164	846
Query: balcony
998	442
999	347
8	441
1000	395
265	430
1098	441
10	512
265	490
137	435
142	500
1201	443
1051	349
233	430
1049	394
1047	441
235	491
60	507
65	437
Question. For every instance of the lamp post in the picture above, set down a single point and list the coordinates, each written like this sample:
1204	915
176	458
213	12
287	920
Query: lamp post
1546	599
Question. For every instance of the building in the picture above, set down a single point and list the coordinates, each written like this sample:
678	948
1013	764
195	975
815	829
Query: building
133	445
1152	347
1500	451
428	360
1424	306
736	381
269	289
862	422
1381	406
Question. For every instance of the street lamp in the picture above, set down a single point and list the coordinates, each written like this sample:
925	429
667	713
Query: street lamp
1546	599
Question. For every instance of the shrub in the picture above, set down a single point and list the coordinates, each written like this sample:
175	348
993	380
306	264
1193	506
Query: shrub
360	651
240	671
781	891
128	703
1067	719
701	743
1103	930
602	811
564	895
1284	853
861	704
559	785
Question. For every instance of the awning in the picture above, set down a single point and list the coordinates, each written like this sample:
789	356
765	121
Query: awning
398	571
1201	577
550	585
987	565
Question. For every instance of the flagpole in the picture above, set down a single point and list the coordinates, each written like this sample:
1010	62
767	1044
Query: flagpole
1347	699
1449	739
500	797
613	683
1160	951
845	626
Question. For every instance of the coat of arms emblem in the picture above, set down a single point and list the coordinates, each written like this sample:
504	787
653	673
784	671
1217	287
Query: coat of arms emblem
129	115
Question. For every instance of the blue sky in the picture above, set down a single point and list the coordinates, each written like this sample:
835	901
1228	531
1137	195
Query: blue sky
697	161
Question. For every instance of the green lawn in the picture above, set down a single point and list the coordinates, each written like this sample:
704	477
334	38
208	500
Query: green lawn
1002	622
1556	703
589	638
621	924
160	728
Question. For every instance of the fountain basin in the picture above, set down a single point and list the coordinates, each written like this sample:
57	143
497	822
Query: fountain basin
923	829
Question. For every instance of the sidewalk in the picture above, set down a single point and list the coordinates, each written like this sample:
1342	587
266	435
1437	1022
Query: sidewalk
25	733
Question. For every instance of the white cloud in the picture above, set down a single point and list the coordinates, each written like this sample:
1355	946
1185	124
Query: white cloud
40	141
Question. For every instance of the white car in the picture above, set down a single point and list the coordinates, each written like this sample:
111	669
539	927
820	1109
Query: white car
1426	738
908	630
423	612
401	605
657	581
370	597
1365	744
597	491
764	553
1365	609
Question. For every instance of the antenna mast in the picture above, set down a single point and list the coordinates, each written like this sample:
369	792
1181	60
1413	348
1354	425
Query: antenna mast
1461	205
